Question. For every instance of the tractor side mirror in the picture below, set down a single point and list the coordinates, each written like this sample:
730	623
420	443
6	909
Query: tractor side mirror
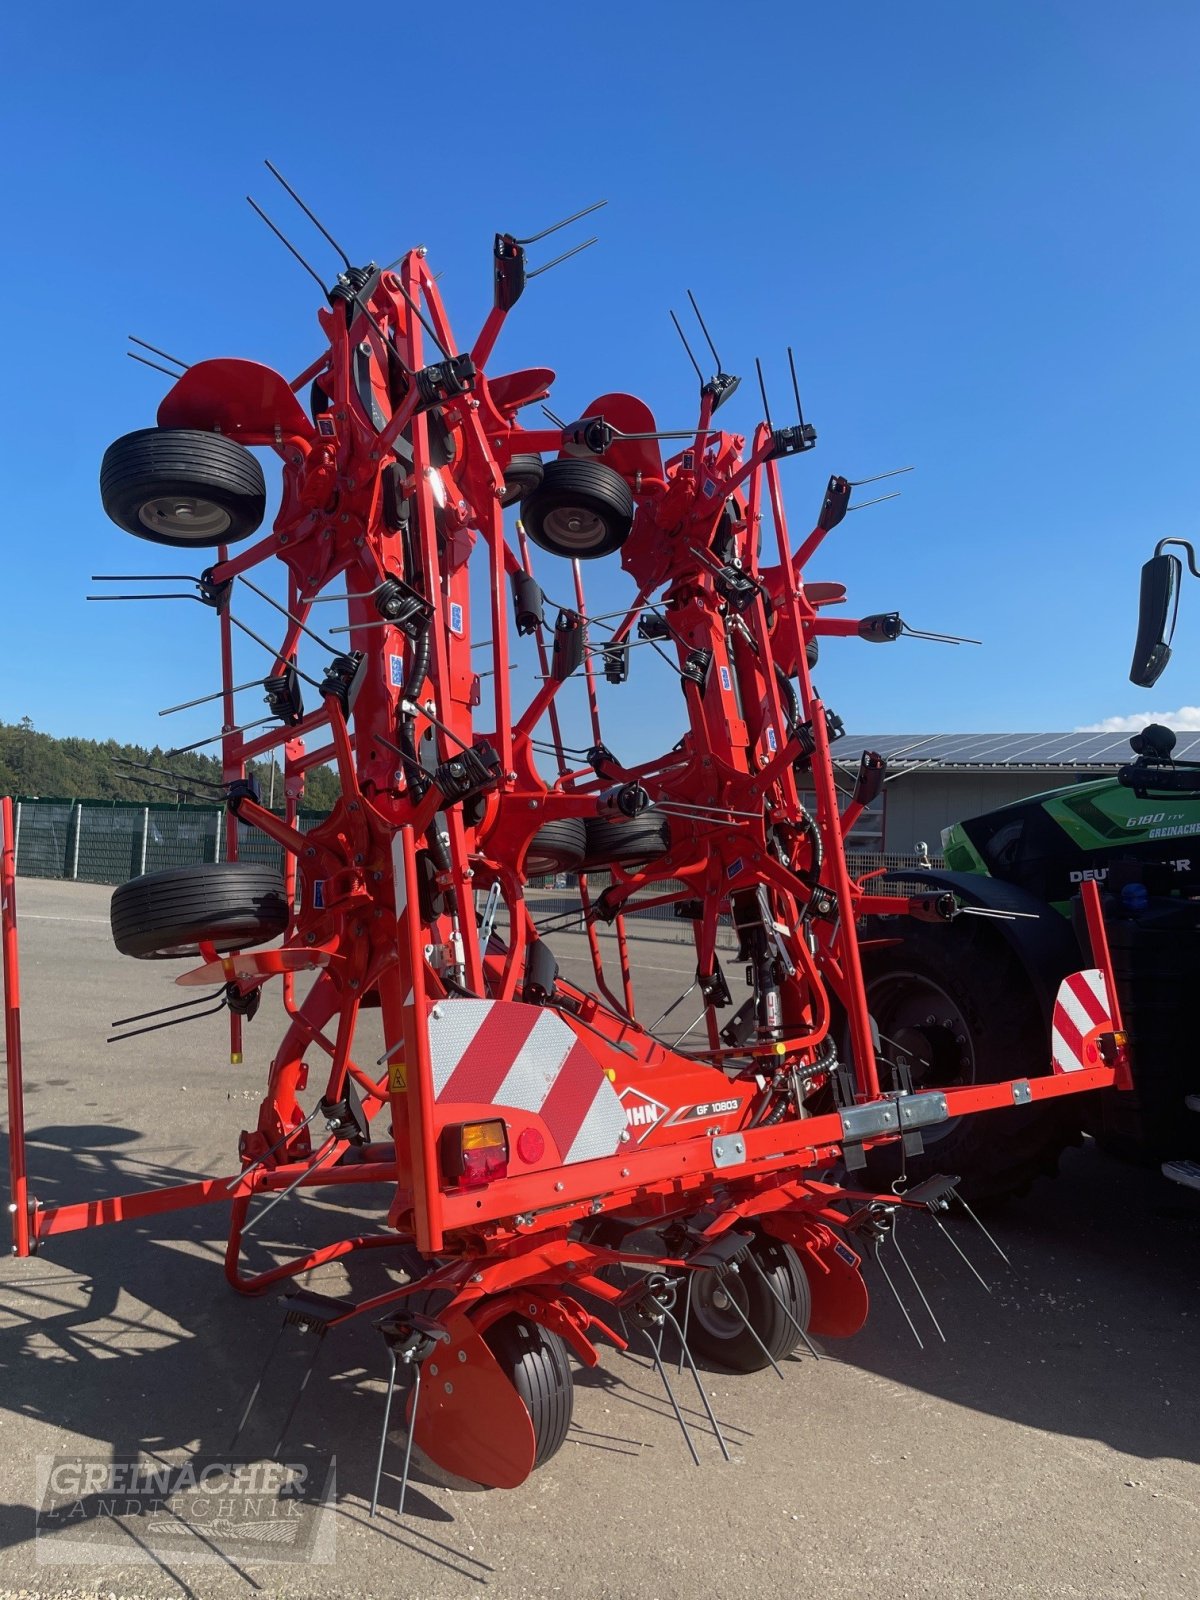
1157	610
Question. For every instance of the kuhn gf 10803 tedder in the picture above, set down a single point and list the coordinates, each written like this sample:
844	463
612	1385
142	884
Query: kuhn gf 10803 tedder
534	1133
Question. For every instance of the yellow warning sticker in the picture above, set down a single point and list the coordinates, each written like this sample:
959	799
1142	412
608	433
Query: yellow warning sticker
397	1078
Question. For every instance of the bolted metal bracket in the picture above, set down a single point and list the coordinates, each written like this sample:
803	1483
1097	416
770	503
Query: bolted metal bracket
729	1150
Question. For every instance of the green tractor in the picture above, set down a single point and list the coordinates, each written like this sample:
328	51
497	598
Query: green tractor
974	1005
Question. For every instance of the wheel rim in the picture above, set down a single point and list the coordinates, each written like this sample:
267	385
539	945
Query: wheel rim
713	1302
574	527
183	517
518	485
922	1027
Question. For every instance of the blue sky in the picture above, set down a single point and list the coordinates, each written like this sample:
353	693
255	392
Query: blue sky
975	224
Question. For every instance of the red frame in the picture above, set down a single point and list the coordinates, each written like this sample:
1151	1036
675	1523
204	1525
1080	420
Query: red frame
372	932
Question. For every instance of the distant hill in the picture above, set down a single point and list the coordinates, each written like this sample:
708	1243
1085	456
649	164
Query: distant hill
37	764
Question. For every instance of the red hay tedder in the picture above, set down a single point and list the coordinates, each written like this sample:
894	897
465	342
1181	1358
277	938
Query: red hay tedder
533	1132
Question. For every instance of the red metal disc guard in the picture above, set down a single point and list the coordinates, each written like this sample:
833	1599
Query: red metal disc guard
471	1421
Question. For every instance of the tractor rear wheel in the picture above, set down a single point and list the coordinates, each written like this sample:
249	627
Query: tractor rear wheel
229	904
182	487
717	1332
954	1004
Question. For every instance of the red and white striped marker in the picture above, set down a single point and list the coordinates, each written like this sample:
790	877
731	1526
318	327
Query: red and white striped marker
1080	1014
504	1053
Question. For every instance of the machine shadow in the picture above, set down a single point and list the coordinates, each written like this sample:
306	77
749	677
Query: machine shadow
130	1337
1090	1333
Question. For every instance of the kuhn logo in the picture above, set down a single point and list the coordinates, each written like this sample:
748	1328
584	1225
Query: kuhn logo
641	1112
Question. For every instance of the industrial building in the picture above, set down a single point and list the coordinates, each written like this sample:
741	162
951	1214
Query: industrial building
940	778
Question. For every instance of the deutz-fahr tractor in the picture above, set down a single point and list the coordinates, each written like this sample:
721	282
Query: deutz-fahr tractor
959	1006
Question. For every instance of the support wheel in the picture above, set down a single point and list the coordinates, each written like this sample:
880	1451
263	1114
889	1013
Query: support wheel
230	904
718	1333
536	1364
626	841
182	487
557	846
581	510
522	476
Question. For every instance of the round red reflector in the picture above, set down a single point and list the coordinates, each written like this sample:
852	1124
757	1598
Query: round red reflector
531	1146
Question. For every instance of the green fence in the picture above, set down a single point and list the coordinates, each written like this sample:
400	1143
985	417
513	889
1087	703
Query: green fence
110	841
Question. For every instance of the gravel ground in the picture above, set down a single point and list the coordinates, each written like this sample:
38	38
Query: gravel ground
1048	1450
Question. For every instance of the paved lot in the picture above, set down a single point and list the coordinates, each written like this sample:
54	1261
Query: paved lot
1048	1449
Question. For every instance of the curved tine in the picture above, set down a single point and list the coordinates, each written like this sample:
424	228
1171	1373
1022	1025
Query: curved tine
312	217
387	1413
166	355
982	1229
408	1443
287	1421
966	1258
704	329
158	367
662	1372
896	1242
620	1314
267	1154
895	1295
750	1330
290	615
172	1022
288	245
555	226
319	1160
184	1005
566	256
258	1383
779	1301
687	1313
704	1401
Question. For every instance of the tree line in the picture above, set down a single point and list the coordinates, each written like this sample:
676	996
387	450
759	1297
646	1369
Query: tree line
35	765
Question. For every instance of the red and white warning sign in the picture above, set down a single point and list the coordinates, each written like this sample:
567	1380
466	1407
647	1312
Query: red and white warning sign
1081	1014
499	1053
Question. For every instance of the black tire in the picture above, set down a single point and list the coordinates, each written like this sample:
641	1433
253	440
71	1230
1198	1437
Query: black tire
557	846
956	1003
182	487
716	1332
535	1361
626	841
230	904
522	476
581	510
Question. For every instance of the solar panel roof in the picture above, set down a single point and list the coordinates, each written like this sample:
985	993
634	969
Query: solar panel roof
1038	750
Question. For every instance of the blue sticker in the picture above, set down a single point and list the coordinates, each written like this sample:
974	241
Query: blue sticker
734	867
396	667
772	742
726	681
456	619
319	895
846	1254
710	488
